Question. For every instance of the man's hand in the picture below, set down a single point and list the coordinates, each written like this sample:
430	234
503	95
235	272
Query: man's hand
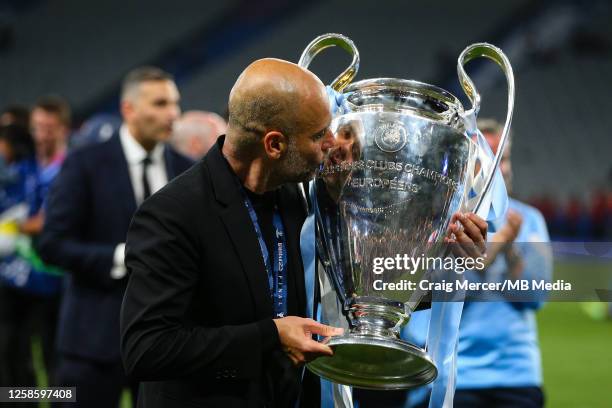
295	335
502	243
508	233
469	239
33	225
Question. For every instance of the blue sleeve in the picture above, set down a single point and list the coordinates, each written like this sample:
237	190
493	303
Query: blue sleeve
534	247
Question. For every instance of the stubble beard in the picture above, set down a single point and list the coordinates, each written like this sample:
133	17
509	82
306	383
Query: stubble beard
295	168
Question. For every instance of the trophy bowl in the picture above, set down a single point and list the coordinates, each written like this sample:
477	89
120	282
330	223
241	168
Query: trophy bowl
402	164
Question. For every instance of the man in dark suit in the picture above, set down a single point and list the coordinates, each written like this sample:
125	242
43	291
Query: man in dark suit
89	210
211	312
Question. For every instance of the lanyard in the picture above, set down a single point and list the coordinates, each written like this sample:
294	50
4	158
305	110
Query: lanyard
277	272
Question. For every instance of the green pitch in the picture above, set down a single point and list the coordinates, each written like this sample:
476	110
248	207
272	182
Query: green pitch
576	357
576	343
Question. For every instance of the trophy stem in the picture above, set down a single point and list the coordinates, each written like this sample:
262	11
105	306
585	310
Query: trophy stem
372	355
377	317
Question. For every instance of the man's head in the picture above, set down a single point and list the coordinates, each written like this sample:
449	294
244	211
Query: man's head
280	112
196	131
50	125
15	143
15	115
149	105
492	131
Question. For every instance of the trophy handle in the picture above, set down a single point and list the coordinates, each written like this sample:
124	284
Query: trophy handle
330	40
489	51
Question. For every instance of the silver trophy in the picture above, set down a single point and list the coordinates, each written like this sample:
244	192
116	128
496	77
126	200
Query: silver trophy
403	162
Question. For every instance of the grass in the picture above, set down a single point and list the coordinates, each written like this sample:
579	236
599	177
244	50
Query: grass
576	342
576	357
39	368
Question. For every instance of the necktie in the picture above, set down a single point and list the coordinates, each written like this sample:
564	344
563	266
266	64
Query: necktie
146	188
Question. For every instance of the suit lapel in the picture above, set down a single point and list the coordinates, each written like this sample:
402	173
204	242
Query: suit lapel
121	178
169	163
239	227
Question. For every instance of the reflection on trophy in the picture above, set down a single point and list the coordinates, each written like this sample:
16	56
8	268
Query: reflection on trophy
346	149
403	163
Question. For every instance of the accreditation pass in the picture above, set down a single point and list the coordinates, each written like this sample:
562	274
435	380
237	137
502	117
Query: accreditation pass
34	394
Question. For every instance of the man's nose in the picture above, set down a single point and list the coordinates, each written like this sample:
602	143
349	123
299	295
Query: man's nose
328	141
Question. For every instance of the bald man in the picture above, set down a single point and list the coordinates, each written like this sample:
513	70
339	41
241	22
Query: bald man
195	132
212	311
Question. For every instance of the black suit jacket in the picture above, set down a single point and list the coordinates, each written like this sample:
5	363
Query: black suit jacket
196	322
89	209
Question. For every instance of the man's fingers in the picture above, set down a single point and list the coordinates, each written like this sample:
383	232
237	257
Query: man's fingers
299	356
295	359
455	217
461	244
480	223
457	249
472	235
469	241
472	249
473	231
314	347
323	330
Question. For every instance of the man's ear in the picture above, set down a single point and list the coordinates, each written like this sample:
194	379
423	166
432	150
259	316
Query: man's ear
275	144
126	108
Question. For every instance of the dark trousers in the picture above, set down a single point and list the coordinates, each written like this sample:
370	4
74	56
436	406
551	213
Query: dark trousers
98	385
23	315
511	397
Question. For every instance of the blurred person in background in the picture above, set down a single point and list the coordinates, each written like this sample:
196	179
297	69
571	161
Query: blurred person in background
608	223
17	307
498	353
15	115
196	132
50	125
89	211
32	289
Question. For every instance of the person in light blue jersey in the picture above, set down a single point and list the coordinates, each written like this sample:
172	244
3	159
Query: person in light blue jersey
498	354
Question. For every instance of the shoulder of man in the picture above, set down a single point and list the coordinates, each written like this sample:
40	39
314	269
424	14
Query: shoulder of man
180	161
526	210
188	188
92	151
180	208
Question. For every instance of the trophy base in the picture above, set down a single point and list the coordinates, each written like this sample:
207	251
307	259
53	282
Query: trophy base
375	363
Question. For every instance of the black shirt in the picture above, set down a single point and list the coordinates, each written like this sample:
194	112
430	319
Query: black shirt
264	205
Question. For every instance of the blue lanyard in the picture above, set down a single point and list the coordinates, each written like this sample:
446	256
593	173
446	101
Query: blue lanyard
277	272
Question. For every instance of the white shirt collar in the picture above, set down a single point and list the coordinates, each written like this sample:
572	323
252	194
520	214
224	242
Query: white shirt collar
134	152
